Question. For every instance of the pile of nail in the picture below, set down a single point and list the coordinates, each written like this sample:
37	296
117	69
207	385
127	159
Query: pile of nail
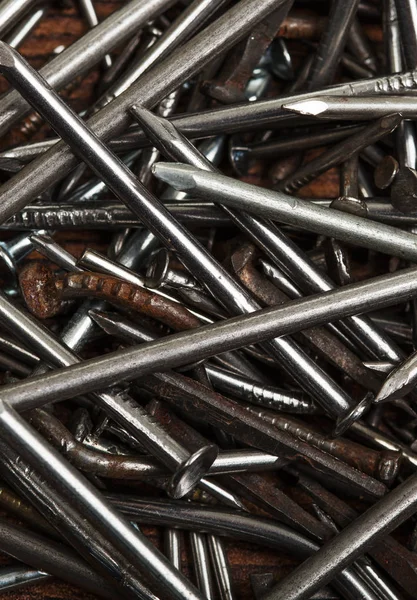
211	394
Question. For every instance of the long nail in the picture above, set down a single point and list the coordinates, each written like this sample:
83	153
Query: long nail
399	382
203	342
172	143
241	526
174	236
129	541
392	556
189	21
357	109
349	544
332	43
278	206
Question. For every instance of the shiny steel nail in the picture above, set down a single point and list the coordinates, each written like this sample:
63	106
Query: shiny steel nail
129	540
188	22
172	546
281	207
18	35
106	215
174	236
85	52
219	337
400	381
90	15
221	567
332	43
201	563
349	544
363	108
111	120
171	142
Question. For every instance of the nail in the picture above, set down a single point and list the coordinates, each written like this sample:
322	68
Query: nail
276	503
54	252
397	506
90	15
108	215
178	349
221	567
230	85
11	253
45	301
357	109
407	20
268	396
288	145
279	206
189	21
19	34
18	350
332	42
359	45
128	540
172	143
49	557
334	156
389	554
159	274
201	563
385	172
119	63
16	578
241	526
384	466
399	382
172	546
375	437
125	186
192	440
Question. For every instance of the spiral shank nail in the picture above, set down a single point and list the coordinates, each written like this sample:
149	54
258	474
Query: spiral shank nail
397	83
271	398
172	314
145	423
296	184
31	125
62	218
